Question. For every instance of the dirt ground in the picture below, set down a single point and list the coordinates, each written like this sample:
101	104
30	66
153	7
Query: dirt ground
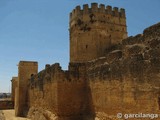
10	115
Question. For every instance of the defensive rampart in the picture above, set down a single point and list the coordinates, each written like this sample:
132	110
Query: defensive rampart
106	75
126	80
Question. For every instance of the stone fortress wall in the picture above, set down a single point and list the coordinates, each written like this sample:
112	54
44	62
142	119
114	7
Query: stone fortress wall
124	80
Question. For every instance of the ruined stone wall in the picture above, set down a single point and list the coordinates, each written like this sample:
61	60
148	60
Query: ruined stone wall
64	93
43	88
127	80
95	29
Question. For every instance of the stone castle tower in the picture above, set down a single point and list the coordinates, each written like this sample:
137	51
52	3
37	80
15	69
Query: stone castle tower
25	70
94	30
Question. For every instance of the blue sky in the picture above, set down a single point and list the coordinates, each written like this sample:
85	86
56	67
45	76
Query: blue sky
37	30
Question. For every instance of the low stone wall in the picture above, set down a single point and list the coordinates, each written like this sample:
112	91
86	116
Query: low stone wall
6	105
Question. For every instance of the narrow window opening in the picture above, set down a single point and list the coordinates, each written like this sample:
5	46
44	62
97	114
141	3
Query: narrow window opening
159	102
86	46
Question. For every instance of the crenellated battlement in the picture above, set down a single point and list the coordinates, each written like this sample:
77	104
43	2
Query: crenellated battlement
94	29
95	8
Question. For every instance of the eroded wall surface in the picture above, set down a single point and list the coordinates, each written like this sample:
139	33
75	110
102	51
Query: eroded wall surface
64	93
127	79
